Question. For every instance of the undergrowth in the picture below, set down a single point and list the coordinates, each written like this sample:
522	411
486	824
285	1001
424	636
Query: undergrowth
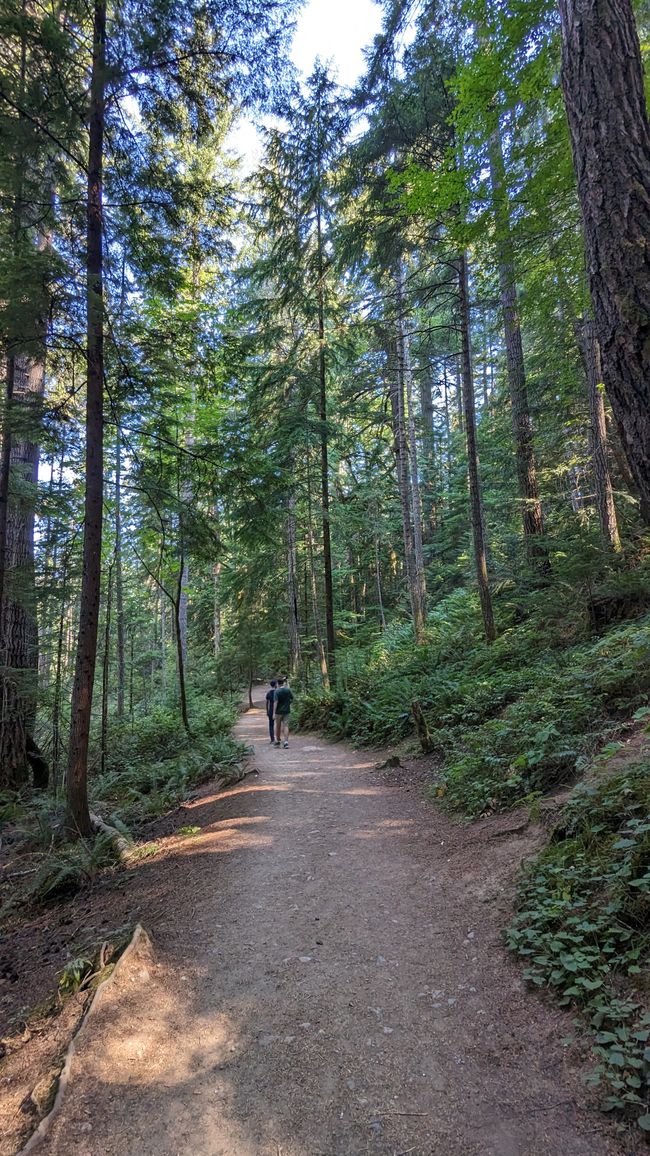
61	871
583	927
507	720
151	765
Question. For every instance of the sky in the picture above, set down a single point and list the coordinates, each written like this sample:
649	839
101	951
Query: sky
337	31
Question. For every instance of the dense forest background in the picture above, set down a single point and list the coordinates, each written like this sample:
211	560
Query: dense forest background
305	419
375	415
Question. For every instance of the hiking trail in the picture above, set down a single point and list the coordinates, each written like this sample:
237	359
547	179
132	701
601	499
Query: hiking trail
330	980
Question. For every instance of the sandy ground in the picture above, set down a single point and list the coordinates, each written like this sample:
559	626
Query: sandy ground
329	980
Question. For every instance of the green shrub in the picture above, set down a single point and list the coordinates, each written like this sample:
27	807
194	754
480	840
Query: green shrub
151	767
507	720
583	925
544	737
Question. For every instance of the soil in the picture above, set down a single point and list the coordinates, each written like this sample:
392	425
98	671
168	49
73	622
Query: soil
327	978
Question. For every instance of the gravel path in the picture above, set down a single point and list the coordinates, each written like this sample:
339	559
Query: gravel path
329	981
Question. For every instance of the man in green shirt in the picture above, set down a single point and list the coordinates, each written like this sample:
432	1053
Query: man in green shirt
282	706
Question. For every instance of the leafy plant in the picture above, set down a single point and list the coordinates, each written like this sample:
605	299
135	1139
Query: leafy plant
507	720
583	926
73	975
63	871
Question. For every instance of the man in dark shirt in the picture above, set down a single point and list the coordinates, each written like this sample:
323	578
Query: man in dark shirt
283	700
270	696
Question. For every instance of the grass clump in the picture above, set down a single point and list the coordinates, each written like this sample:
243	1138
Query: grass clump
583	927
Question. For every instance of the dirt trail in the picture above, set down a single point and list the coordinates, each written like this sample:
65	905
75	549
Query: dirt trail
331	982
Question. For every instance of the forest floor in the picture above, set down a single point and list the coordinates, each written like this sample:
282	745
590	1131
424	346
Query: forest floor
327	978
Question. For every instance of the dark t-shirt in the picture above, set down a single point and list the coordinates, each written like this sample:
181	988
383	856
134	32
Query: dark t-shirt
283	700
270	695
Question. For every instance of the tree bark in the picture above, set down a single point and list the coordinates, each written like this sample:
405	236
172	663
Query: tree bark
78	817
180	651
380	600
163	643
400	449
602	79
614	444
182	610
216	610
25	378
588	343
18	621
522	426
476	505
322	652
430	514
322	414
119	582
106	660
292	588
58	679
418	580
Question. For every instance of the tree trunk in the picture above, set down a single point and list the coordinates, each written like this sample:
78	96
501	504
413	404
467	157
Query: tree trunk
445	394
131	673
458	375
430	514
58	681
119	582
476	505
163	643
322	653
325	493
292	588
424	734
182	610
25	376
485	353
419	588
588	343
400	449
380	600
106	658
622	465
18	621
78	817
522	426
180	653
216	610
603	83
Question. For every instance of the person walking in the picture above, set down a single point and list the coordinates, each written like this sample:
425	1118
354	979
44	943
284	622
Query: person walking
282	702
270	704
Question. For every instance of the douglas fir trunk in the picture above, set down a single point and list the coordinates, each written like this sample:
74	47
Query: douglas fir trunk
522	426
475	500
78	817
602	78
